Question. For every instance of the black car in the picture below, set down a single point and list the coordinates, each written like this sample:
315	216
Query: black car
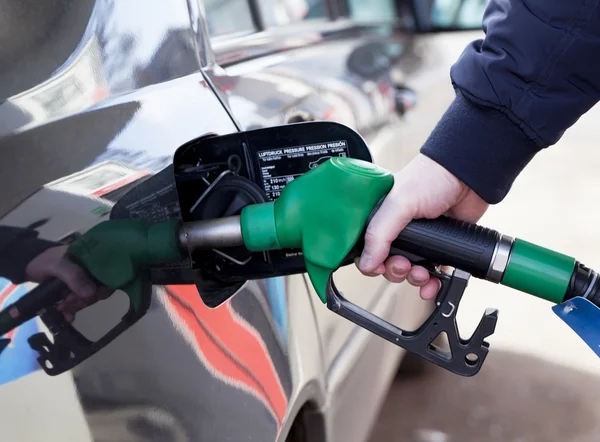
96	96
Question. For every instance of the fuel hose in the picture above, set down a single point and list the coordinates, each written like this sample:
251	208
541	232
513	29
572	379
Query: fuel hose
490	255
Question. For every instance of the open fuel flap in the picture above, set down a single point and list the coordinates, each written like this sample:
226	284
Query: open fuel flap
217	176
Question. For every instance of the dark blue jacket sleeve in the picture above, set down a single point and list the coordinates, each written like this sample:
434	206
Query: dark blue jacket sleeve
532	76
18	246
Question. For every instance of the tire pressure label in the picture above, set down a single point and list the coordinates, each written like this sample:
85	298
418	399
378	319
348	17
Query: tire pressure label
280	166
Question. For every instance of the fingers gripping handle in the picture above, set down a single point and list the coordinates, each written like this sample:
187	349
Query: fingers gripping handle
46	295
69	347
30	305
118	254
471	250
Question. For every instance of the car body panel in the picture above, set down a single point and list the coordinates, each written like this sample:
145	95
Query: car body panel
138	110
103	94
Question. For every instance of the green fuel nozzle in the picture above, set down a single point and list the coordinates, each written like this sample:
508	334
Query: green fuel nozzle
117	254
324	213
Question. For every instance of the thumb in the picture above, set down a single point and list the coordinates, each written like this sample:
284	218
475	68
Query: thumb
391	218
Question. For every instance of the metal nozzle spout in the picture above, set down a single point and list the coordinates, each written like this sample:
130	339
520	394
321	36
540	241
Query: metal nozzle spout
211	234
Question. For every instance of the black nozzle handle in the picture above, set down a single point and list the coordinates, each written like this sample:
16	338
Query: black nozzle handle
585	283
449	242
30	305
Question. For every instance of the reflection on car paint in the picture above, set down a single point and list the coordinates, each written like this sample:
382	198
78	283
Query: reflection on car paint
276	296
79	85
279	83
113	111
17	359
235	349
86	187
229	347
99	180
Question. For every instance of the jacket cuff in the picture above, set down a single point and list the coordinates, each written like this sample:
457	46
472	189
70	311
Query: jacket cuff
481	146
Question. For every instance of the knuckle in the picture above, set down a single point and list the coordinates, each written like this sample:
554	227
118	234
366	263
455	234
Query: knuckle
371	236
374	239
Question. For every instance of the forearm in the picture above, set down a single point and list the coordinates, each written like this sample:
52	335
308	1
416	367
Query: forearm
518	90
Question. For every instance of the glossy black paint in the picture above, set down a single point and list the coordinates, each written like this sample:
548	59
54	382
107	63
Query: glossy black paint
97	95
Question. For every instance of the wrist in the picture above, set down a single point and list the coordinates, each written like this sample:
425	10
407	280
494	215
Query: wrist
450	182
481	147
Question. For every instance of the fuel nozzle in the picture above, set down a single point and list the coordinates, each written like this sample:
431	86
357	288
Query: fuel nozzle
117	254
323	213
208	234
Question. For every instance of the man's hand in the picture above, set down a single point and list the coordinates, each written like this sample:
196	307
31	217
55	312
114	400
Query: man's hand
53	263
423	189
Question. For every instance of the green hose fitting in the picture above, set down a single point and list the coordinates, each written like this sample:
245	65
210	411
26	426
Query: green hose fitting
258	227
163	242
116	253
539	271
323	213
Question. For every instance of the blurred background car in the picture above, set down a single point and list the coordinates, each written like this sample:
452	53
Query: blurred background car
97	95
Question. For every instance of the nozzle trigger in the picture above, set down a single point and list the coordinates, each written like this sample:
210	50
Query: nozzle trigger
465	357
69	347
